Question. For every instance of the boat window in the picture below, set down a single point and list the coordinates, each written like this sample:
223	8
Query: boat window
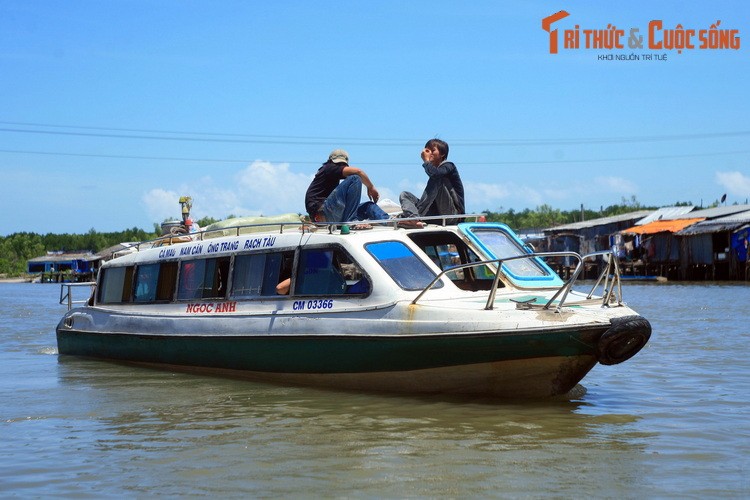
447	250
145	283
115	285
329	271
203	279
166	284
406	269
258	274
501	245
155	282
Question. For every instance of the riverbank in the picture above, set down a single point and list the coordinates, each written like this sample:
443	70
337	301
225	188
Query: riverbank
15	280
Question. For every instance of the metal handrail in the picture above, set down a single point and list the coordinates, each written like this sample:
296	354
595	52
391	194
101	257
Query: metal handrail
236	230
612	268
608	292
67	295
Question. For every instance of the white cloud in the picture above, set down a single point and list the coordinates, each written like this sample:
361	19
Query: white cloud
590	193
617	185
485	195
260	188
161	204
413	187
269	188
479	195
735	183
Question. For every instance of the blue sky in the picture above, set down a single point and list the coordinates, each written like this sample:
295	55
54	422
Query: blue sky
111	110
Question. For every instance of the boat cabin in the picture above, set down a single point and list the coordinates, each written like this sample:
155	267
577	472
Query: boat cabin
323	264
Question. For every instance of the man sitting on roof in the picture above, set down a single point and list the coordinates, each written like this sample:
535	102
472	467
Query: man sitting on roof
444	193
328	200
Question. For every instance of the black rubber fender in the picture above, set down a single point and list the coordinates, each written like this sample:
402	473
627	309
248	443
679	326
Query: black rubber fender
623	339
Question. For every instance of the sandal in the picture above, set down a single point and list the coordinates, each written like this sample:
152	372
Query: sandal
361	227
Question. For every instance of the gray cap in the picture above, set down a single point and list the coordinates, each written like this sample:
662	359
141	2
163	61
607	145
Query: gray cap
339	156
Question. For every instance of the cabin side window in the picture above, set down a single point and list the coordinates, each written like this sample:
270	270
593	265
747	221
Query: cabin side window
259	274
115	285
329	271
402	265
203	279
447	250
155	282
146	280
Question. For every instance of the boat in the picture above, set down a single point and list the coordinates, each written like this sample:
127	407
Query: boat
644	277
443	309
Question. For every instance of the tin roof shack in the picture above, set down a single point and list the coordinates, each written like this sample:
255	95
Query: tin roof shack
629	247
61	266
666	213
587	237
717	248
535	238
654	248
118	250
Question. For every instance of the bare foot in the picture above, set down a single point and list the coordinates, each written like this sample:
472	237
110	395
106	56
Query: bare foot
411	224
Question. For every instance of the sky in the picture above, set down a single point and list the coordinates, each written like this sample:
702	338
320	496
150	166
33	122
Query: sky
112	110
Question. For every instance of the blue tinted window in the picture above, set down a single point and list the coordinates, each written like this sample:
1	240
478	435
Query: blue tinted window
329	271
203	279
145	283
248	275
406	269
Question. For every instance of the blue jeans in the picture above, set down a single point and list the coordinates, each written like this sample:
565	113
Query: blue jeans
343	205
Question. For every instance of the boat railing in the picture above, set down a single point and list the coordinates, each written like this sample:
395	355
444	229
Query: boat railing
66	293
609	279
305	226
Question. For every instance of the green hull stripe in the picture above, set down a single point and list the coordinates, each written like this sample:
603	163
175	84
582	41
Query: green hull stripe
327	354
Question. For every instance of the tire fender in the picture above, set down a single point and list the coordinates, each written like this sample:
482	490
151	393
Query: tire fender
623	339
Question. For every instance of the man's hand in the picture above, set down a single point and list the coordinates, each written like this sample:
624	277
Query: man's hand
373	194
425	154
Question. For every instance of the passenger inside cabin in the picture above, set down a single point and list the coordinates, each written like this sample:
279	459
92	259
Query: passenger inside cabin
285	276
191	286
283	287
145	283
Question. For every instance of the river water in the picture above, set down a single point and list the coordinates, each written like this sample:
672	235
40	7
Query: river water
672	422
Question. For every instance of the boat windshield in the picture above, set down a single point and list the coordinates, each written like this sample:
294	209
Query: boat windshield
497	241
401	264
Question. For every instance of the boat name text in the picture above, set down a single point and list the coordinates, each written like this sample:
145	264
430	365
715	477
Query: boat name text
211	307
268	241
311	305
224	246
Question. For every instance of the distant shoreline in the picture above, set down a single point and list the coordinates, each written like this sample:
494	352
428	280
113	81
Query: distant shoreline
15	280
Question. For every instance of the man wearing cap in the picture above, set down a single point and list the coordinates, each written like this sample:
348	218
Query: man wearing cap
328	200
